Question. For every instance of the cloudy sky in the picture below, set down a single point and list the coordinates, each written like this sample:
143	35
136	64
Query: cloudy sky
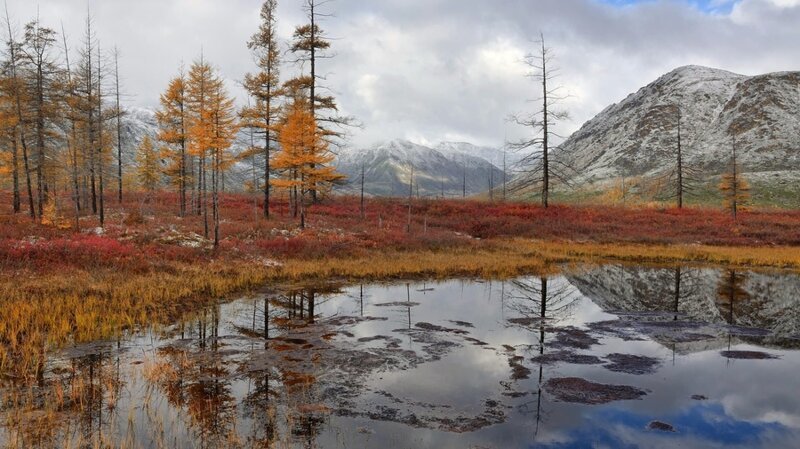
432	70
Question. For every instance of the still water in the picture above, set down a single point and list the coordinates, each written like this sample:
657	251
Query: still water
611	356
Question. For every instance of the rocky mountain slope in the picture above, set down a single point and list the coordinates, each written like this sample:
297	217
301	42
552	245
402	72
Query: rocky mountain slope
638	136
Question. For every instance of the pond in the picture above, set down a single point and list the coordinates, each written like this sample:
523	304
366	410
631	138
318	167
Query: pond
610	356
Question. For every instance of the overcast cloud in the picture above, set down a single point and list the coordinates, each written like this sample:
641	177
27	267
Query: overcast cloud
431	70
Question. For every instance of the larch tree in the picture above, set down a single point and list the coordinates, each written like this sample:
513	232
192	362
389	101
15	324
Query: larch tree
9	126
83	106
310	45
264	87
734	187
172	123
41	77
15	88
212	126
225	127
541	165
148	169
304	161
199	89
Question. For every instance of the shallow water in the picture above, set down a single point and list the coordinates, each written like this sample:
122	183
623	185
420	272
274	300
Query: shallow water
598	357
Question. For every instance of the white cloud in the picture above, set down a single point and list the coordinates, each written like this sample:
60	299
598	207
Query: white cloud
432	69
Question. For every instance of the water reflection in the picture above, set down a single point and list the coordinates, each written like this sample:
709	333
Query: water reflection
617	356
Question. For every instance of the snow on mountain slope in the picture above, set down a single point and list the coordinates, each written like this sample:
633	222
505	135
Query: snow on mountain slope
638	135
388	167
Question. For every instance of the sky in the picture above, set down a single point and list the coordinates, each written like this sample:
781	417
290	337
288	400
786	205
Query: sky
442	70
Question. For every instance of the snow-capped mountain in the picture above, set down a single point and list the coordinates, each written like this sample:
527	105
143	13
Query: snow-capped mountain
638	135
388	167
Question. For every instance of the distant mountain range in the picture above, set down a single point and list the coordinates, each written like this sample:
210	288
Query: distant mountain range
387	166
439	170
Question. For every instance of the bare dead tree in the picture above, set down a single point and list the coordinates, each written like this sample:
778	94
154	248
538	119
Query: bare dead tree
410	197
72	138
544	163
681	180
362	191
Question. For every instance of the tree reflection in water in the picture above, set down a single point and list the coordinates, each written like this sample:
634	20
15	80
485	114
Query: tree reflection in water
540	304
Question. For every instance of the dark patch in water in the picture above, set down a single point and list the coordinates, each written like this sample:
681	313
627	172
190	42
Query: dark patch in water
353	320
573	338
436	328
397	304
461	323
632	364
526	321
518	370
748	355
582	391
660	426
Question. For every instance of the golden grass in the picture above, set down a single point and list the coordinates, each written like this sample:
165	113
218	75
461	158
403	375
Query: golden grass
741	257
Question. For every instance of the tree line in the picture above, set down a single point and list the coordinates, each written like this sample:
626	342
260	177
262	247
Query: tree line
61	123
60	119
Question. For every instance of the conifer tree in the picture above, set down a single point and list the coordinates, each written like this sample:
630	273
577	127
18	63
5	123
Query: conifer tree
14	88
225	127
212	126
199	88
310	44
9	161
304	160
41	77
172	132
263	87
147	171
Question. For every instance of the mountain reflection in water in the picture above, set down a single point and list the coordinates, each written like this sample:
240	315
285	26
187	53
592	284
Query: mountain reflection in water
615	356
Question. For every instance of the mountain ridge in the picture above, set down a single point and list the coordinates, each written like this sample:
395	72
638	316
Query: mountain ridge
637	136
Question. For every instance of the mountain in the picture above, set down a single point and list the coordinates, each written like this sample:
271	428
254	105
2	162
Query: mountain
637	137
388	166
491	154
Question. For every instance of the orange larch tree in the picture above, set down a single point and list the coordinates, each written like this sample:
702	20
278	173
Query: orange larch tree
264	87
172	132
304	161
200	131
